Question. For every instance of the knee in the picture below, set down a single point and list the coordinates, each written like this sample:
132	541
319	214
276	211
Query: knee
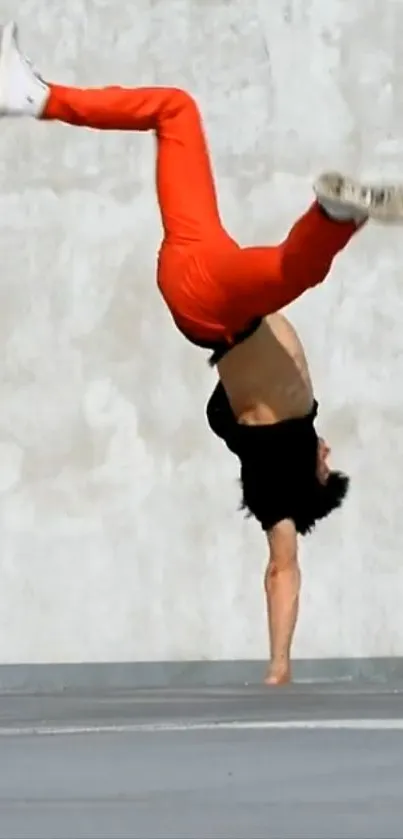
183	100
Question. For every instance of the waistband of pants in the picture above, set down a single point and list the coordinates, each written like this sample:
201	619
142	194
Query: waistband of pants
220	348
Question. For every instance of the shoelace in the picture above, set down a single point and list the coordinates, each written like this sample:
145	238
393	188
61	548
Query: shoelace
27	61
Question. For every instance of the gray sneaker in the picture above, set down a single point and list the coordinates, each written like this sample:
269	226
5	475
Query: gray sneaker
343	198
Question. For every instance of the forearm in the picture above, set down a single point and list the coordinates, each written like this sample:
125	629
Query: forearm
282	587
282	583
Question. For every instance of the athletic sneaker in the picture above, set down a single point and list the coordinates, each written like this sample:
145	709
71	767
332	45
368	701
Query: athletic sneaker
22	91
343	198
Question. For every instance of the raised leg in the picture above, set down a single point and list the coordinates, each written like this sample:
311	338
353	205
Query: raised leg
185	184
257	281
216	290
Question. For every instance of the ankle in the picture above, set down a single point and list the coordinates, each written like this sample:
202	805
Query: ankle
340	214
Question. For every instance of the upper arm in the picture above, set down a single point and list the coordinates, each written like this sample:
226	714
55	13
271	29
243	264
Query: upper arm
283	540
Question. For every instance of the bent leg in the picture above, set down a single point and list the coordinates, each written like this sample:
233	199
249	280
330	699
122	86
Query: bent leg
257	281
185	185
216	288
227	286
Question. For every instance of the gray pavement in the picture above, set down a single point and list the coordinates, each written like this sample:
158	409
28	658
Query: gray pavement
170	764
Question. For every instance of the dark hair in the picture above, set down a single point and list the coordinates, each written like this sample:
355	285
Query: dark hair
301	498
324	499
278	467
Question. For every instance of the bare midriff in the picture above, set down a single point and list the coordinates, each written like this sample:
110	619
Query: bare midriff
266	377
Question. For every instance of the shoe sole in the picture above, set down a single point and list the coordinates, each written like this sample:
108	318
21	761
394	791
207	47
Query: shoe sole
383	203
7	46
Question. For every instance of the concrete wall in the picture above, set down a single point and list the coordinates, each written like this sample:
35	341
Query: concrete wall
120	537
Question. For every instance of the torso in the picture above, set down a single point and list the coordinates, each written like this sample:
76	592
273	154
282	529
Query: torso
266	377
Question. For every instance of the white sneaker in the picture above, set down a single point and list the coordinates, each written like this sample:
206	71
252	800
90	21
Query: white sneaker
343	198
22	91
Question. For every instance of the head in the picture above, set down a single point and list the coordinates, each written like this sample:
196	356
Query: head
296	481
323	470
285	472
325	490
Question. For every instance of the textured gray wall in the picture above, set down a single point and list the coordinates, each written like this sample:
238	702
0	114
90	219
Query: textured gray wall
120	537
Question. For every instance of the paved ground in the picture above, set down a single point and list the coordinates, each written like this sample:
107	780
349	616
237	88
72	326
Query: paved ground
320	762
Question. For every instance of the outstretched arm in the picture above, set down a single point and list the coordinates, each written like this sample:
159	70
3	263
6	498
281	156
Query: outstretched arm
282	583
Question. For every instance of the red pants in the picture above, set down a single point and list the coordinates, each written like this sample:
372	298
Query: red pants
213	288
